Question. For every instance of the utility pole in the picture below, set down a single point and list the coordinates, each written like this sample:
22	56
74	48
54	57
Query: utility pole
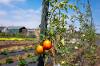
43	27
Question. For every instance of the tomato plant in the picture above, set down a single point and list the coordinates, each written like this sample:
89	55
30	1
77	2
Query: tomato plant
69	45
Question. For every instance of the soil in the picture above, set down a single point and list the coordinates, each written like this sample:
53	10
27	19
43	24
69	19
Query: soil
7	44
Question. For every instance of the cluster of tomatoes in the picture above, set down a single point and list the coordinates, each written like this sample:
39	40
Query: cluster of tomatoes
45	46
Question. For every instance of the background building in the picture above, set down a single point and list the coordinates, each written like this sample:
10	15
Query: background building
19	31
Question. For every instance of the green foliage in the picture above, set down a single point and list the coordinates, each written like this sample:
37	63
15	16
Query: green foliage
9	60
22	62
26	49
30	55
42	36
34	58
0	63
3	34
11	35
5	52
65	39
17	35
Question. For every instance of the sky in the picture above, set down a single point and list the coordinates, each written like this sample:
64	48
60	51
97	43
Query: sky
20	13
95	5
28	13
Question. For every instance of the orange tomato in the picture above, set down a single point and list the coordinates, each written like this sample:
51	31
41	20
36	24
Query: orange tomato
39	49
47	45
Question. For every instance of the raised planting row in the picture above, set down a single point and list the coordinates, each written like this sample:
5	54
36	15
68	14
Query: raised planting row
7	51
17	56
15	45
16	42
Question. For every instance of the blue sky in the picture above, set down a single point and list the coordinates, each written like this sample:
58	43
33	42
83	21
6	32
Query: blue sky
20	13
28	13
95	4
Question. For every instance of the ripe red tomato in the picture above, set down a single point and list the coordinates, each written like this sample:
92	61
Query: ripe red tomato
47	45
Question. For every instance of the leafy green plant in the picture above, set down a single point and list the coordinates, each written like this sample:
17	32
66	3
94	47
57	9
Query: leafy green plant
26	49
34	58
66	40
5	52
22	62
57	29
9	60
29	55
0	63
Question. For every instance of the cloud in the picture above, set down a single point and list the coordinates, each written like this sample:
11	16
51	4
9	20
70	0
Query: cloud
14	15
30	18
2	13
